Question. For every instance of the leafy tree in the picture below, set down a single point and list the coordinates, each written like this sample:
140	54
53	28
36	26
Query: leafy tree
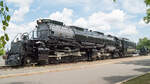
4	19
143	42
147	17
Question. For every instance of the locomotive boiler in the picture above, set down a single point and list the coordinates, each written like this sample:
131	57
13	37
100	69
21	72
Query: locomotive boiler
54	42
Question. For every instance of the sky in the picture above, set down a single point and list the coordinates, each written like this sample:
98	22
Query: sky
123	18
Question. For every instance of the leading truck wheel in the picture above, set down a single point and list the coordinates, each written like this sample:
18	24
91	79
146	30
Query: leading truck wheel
27	61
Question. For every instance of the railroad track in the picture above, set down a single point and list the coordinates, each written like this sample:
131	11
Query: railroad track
13	67
18	67
5	67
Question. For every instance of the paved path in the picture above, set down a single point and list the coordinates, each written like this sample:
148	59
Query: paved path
102	74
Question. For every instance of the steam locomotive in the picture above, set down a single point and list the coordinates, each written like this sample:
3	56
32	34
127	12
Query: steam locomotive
54	42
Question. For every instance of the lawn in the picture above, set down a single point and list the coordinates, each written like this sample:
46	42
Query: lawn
144	79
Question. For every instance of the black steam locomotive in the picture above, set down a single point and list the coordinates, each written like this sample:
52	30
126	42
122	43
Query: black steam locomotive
54	42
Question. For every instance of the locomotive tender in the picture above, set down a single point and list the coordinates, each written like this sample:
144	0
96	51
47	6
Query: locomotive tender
54	42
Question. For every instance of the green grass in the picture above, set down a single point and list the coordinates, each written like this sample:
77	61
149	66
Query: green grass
144	79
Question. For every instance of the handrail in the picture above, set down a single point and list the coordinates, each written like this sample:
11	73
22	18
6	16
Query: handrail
22	34
16	36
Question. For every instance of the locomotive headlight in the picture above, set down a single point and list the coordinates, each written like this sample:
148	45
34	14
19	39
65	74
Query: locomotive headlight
18	58
39	21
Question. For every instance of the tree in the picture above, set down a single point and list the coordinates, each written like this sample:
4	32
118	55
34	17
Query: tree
5	18
147	17
143	42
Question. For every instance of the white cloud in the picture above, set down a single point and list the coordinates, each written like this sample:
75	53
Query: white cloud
99	21
129	30
24	7
81	22
105	27
102	21
134	6
96	21
85	5
106	20
64	16
131	6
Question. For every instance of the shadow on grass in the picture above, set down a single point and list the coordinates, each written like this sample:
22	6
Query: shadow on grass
145	62
115	79
143	69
